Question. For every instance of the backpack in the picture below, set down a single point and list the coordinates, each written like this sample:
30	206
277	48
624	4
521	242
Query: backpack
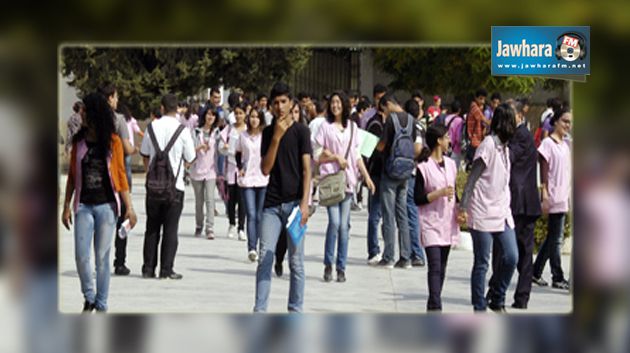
400	162
160	183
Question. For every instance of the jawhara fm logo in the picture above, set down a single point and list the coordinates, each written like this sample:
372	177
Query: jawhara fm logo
571	46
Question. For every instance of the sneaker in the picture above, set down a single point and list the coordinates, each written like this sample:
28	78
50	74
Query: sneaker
252	255
341	276
209	234
355	207
328	273
122	270
385	264
539	281
197	232
241	235
231	232
278	269
171	275
402	263
564	284
373	261
418	262
88	307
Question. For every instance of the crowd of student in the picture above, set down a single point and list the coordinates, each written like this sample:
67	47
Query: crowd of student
268	156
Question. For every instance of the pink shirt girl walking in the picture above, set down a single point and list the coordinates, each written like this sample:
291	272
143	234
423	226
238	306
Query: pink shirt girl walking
335	136
203	172
251	180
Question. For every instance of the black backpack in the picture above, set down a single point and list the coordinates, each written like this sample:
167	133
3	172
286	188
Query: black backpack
160	182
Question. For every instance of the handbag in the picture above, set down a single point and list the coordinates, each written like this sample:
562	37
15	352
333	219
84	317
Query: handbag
332	187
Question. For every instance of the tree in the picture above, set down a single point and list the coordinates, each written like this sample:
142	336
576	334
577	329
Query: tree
459	71
142	74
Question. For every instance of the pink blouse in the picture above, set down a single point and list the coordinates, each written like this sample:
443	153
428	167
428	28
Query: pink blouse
331	138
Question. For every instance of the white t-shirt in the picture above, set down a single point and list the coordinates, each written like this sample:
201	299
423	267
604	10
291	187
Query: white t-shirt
184	147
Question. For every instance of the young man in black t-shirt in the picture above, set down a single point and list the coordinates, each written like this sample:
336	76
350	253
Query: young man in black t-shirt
286	157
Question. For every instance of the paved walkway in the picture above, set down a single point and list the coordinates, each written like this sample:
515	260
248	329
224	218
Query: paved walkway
218	277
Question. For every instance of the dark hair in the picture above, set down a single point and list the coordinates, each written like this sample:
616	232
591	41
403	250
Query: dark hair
345	108
296	103
124	110
523	100
495	95
354	94
107	89
518	106
78	105
363	105
156	112
379	88
456	107
503	123
241	105
215	89
320	107
280	89
558	113
261	96
233	99
417	94
481	92
261	117
169	102
99	117
202	117
434	132
412	107
365	99
303	95
388	97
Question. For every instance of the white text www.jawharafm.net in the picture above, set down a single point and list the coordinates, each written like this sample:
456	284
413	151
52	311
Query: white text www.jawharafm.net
541	66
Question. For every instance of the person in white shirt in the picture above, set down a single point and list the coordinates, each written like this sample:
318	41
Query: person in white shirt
165	214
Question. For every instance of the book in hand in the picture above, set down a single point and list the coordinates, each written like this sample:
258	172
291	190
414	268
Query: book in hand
295	230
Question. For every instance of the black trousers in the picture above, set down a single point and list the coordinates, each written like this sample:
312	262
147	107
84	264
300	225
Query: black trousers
437	257
162	217
120	244
236	199
524	228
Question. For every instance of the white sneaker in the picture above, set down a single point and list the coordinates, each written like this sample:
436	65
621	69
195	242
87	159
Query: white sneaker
241	235
252	256
374	260
231	232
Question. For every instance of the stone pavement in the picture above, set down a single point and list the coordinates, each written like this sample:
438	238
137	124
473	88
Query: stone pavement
218	277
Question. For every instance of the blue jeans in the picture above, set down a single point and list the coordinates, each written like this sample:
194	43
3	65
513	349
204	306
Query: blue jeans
482	246
273	219
128	171
394	205
551	249
254	199
94	222
337	232
375	213
414	223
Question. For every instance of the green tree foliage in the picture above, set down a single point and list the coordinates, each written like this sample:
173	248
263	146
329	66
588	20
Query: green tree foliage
142	74
459	71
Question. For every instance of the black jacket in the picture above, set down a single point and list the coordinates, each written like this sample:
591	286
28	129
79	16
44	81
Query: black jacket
523	188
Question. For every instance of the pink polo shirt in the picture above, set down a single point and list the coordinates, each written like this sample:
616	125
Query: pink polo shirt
204	167
489	207
249	146
558	155
438	219
330	138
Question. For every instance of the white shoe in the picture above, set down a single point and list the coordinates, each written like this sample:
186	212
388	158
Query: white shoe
374	260
231	232
241	235
252	256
